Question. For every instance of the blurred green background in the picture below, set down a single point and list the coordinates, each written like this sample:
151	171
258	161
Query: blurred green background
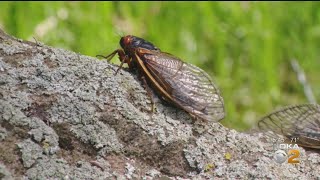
245	46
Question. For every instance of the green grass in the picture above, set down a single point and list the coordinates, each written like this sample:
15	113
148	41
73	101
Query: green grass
245	46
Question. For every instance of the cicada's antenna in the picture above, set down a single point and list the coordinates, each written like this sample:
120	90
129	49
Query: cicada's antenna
119	33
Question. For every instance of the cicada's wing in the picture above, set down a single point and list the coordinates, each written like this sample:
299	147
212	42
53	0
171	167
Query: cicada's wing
301	122
189	86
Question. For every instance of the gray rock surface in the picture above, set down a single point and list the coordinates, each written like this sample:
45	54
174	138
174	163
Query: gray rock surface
66	116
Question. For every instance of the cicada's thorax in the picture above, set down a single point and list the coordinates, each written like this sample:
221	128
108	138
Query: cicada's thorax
131	43
133	46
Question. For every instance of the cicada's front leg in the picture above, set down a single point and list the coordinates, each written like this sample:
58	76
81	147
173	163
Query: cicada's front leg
124	58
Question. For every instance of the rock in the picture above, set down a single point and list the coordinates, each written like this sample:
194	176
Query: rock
66	116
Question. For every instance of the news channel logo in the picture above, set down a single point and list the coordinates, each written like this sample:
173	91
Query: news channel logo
286	153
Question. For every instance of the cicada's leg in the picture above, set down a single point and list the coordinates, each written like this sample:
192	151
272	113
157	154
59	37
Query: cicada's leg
37	43
122	56
124	59
110	56
199	126
149	92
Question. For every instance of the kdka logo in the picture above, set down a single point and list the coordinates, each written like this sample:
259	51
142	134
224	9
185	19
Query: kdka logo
286	152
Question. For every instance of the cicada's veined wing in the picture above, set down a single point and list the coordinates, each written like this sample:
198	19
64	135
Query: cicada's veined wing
300	122
189	86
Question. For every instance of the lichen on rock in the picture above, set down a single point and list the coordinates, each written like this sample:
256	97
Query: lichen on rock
66	116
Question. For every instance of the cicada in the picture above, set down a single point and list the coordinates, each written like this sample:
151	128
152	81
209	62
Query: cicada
182	84
299	124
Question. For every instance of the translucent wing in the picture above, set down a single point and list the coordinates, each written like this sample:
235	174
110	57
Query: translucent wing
189	86
301	122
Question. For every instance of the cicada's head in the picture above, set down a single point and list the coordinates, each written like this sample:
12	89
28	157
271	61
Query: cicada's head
130	43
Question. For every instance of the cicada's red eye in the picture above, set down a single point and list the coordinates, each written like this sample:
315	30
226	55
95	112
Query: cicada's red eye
125	41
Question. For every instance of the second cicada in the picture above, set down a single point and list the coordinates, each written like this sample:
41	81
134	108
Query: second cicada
175	81
299	124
